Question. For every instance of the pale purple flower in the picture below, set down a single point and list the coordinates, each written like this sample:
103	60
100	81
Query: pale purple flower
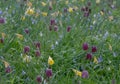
85	74
2	20
100	59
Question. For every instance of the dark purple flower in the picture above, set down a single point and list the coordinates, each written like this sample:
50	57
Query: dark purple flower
89	3
86	9
89	56
48	73
85	74
37	45
50	8
37	53
94	48
26	49
85	46
26	31
2	20
1	40
52	22
65	10
68	29
39	79
8	69
83	9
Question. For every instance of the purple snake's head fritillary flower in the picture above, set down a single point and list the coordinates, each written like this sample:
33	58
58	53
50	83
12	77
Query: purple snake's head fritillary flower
37	45
26	31
85	74
86	9
2	20
65	10
52	22
8	69
89	3
68	29
26	49
50	8
94	48
37	53
89	56
48	73
86	14
83	9
39	79
85	46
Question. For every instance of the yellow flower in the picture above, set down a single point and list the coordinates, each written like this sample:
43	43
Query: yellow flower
50	61
78	73
19	36
97	1
43	3
75	7
3	35
70	9
66	2
101	12
18	0
110	18
82	0
6	64
27	58
95	60
37	14
44	13
30	11
23	18
29	4
55	14
110	47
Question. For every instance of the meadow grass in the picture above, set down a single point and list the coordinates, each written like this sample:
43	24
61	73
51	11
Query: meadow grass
100	28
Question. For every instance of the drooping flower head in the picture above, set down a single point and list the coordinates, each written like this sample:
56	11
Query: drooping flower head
39	79
50	61
48	73
68	29
89	56
37	53
94	48
8	69
85	74
26	49
2	20
85	46
26	31
78	73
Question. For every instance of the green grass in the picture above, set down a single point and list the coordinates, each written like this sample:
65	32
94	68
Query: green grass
64	47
